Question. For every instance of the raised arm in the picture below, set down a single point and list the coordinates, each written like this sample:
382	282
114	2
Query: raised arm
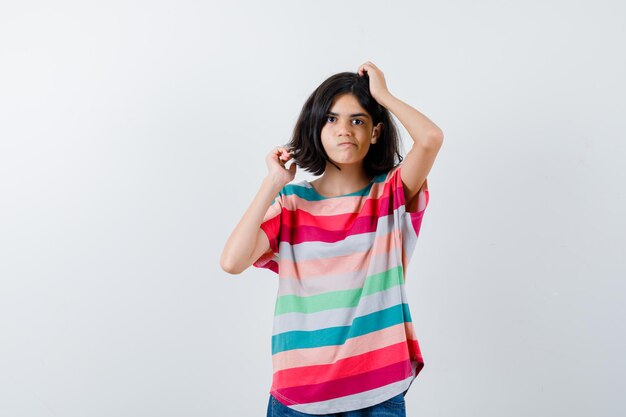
427	140
247	239
426	135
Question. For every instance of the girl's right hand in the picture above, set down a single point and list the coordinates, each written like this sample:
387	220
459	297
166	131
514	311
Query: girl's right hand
276	161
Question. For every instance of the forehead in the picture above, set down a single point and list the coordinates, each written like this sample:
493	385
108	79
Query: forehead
347	105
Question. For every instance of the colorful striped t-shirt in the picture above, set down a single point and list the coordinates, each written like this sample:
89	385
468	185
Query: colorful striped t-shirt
342	338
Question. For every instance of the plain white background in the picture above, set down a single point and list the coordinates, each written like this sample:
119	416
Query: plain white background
133	138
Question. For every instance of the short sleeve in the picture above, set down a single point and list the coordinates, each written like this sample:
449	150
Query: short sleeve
271	226
409	223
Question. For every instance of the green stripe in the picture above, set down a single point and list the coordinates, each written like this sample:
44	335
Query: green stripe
339	299
384	280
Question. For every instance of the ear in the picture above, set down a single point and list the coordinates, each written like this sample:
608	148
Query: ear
376	132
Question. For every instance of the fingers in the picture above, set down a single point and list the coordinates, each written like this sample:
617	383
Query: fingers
366	67
283	153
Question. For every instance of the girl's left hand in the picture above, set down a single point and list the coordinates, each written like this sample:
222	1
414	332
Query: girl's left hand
378	86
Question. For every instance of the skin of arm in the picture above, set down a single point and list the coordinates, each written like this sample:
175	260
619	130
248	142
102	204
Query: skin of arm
247	241
427	140
238	250
421	129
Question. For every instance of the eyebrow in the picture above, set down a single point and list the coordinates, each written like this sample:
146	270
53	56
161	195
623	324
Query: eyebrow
352	115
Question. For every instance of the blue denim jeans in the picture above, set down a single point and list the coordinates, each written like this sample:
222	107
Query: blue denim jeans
393	407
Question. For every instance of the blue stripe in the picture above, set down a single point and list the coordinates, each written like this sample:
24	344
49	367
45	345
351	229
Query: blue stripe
298	339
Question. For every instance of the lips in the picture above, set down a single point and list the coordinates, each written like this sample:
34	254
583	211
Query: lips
346	143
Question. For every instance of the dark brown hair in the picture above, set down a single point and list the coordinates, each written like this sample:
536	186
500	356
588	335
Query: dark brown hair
306	141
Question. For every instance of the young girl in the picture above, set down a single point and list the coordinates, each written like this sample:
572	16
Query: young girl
343	341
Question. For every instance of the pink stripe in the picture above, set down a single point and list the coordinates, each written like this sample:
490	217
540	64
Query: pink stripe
359	364
331	228
345	386
327	219
355	261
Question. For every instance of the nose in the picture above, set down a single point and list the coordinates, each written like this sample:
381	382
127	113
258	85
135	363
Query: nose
344	128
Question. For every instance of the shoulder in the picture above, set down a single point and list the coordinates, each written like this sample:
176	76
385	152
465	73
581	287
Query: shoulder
295	187
390	175
293	191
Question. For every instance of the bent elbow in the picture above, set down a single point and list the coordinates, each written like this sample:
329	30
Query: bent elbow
231	267
435	138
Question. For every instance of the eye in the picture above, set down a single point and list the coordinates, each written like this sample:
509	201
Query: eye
359	122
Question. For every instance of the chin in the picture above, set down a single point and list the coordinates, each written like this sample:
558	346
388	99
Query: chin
340	163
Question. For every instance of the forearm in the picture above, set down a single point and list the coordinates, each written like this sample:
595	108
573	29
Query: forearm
420	128
242	241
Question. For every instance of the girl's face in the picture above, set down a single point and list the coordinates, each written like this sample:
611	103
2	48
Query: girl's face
348	131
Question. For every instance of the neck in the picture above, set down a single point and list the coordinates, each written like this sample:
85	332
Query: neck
350	179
